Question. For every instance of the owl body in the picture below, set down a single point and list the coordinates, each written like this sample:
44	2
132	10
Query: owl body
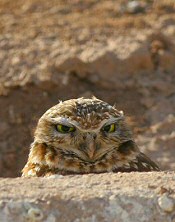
81	136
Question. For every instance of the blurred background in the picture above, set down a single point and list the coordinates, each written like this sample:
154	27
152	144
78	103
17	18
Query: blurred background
121	51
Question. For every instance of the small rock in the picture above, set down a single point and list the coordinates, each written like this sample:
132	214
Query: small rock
166	203
55	176
165	190
35	214
134	7
15	60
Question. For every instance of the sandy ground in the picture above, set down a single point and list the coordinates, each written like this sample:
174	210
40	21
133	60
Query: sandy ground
66	49
125	197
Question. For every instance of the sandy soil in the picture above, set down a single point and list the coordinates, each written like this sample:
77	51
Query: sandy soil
125	197
64	49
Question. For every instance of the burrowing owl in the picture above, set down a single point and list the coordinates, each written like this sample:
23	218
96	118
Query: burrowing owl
80	136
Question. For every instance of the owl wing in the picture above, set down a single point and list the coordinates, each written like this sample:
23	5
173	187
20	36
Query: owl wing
144	163
141	163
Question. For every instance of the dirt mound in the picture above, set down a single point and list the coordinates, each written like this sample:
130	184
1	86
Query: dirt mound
100	197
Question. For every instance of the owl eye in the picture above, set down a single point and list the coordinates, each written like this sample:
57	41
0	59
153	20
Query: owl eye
65	129
109	128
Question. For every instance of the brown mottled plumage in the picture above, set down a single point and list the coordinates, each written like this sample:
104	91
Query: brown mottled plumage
80	136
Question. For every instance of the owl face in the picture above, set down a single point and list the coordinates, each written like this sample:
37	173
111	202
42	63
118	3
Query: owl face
84	136
85	129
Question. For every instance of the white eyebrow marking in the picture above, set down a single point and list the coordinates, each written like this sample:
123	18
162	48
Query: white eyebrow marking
69	122
64	121
113	119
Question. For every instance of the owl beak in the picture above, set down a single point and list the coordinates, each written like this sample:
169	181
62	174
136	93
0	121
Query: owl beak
91	149
91	145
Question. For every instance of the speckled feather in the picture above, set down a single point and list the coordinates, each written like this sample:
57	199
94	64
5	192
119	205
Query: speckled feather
88	149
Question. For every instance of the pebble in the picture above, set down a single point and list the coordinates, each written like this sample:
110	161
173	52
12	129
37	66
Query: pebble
135	7
166	203
55	176
35	214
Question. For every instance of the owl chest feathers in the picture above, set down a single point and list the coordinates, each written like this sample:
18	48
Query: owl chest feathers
67	162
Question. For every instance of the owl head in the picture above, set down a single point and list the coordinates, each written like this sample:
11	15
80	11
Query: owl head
84	128
84	136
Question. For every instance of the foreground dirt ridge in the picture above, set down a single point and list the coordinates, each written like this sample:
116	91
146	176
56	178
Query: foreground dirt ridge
105	197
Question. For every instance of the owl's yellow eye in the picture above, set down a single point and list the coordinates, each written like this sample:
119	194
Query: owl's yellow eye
65	129
109	128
